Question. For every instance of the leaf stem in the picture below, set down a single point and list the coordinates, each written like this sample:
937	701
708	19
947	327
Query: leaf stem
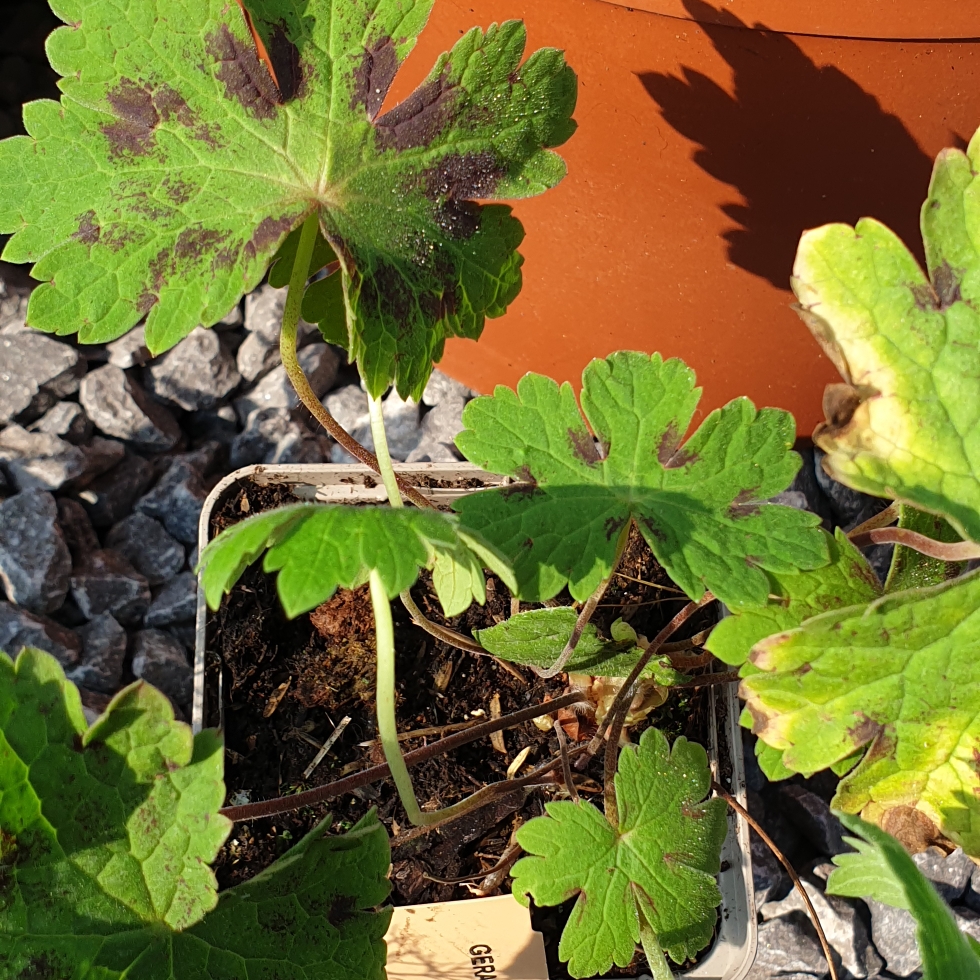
341	787
441	633
625	695
955	551
588	610
566	766
791	871
385	697
882	519
659	969
387	472
385	468
450	637
388	727
290	362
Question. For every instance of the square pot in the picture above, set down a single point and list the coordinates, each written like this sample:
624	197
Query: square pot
733	952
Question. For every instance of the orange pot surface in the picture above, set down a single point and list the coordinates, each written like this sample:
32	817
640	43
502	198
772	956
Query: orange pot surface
834	18
703	151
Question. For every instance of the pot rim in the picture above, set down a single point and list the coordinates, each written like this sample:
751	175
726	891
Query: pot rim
865	20
733	953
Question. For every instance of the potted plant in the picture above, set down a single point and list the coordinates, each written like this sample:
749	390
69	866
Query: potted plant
372	218
378	209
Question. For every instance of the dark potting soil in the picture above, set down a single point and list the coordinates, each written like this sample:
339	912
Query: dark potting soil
288	683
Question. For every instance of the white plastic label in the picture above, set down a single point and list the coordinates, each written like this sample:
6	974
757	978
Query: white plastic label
481	939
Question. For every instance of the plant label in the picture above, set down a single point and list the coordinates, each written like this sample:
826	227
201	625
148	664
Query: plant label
483	939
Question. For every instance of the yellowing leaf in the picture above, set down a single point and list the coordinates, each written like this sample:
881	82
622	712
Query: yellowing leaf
898	677
906	425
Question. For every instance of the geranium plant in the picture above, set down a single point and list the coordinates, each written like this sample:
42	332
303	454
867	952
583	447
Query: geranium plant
199	143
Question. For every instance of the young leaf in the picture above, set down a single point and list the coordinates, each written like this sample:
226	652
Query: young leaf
911	569
318	547
847	581
698	505
881	869
104	828
457	572
664	854
900	676
173	169
537	637
908	347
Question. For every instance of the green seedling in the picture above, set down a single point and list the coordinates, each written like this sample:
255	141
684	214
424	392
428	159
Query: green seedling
647	877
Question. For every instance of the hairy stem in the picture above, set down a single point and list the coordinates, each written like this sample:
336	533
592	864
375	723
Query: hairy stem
341	787
385	468
450	637
287	352
610	805
385	696
656	960
955	551
566	766
587	610
441	633
882	519
791	871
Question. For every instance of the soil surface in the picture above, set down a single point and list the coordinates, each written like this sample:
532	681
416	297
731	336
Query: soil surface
288	683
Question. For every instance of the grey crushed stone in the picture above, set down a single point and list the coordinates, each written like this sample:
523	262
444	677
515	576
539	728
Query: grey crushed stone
35	563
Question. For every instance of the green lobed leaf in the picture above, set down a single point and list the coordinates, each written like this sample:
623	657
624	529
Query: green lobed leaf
898	677
105	828
173	169
847	581
537	637
911	569
907	423
310	915
664	854
698	505
881	869
771	762
107	834
317	548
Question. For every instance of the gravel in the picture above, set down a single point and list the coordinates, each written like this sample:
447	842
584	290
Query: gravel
35	564
119	407
103	652
147	545
20	628
36	372
196	374
160	660
106	582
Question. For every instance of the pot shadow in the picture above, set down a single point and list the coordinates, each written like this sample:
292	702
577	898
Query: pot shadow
803	144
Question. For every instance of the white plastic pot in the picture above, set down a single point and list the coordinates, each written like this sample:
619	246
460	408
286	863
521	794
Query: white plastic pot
733	951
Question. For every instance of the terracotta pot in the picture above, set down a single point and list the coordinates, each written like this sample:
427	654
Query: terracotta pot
733	950
705	147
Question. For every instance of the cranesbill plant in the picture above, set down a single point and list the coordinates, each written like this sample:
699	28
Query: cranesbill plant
199	143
